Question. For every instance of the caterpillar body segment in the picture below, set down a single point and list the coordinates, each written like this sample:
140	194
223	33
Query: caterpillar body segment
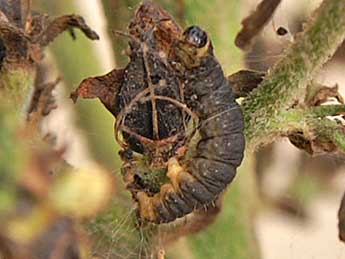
198	181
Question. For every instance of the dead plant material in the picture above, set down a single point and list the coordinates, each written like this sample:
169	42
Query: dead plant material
244	81
24	34
311	142
255	22
313	145
324	94
42	101
51	29
103	87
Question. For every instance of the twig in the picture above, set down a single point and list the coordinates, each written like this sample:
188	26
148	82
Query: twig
286	82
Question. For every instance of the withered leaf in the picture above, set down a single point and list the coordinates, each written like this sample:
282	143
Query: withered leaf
64	23
103	87
314	142
313	146
24	45
255	22
42	101
244	81
323	94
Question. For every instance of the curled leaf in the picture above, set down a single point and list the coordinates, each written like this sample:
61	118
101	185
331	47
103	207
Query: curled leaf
322	94
103	87
244	81
321	134
312	145
53	28
42	101
25	43
255	22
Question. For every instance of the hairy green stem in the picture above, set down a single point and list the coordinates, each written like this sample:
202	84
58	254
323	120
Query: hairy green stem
299	116
16	83
313	122
287	80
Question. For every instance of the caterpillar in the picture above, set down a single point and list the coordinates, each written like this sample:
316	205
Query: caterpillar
199	180
172	80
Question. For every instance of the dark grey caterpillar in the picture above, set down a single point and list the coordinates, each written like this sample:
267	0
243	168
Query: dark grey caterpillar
199	180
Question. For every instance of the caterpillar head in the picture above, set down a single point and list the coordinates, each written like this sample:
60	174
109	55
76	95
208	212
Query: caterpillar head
196	37
193	46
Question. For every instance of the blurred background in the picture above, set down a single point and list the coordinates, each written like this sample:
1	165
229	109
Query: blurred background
286	200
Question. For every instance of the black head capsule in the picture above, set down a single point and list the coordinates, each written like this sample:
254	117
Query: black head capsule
196	36
193	47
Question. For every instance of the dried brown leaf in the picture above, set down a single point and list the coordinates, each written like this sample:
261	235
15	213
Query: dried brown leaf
24	45
60	24
311	144
103	87
255	22
323	94
244	81
42	101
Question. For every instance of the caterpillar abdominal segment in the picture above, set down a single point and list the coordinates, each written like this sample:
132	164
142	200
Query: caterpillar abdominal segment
200	180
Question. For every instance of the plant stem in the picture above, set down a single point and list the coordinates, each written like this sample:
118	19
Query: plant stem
16	83
286	82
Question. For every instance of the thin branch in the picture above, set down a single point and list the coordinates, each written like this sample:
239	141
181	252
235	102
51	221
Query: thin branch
286	82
